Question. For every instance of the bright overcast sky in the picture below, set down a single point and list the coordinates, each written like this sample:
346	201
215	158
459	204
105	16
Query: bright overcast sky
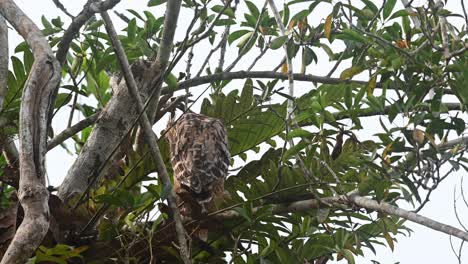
423	246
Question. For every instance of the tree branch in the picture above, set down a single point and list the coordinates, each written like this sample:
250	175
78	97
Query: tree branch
151	137
222	76
3	60
60	6
349	200
71	131
160	64
290	107
35	104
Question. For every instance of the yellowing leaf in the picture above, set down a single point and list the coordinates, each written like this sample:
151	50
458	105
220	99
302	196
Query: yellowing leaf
350	72
284	68
291	24
389	240
371	85
303	25
327	26
387	149
403	44
431	139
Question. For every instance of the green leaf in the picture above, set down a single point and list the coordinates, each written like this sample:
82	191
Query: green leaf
388	8
18	69
171	81
292	48
247	98
253	9
62	99
229	12
57	22
246	127
309	56
224	22
349	96
399	13
299	132
237	34
156	2
131	30
46	23
352	35
295	150
371	6
243	212
278	42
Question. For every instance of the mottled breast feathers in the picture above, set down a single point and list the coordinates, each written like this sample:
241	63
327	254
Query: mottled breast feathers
199	156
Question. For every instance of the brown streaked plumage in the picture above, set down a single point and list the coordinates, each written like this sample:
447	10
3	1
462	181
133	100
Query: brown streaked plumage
200	160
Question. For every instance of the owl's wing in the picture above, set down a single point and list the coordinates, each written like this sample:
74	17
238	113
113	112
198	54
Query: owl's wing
200	155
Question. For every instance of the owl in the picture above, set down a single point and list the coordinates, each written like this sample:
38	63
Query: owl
200	160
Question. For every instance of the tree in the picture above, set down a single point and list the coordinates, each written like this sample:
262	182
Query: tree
308	184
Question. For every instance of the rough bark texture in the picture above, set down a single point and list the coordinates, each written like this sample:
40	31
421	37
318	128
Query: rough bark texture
35	105
119	115
8	223
112	125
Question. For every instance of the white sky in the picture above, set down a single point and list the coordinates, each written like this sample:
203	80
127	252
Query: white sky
423	246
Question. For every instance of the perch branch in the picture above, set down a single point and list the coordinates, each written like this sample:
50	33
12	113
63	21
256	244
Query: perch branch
35	104
353	199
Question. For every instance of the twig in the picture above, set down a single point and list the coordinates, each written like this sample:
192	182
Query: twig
464	12
3	60
71	131
262	52
61	7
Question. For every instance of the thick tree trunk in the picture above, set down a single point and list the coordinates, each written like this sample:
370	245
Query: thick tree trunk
35	105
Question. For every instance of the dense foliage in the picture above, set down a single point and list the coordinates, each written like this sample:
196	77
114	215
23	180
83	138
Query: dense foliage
383	123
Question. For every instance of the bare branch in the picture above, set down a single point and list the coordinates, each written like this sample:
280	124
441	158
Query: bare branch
151	137
353	199
35	104
170	24
222	76
60	6
3	60
69	132
160	65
